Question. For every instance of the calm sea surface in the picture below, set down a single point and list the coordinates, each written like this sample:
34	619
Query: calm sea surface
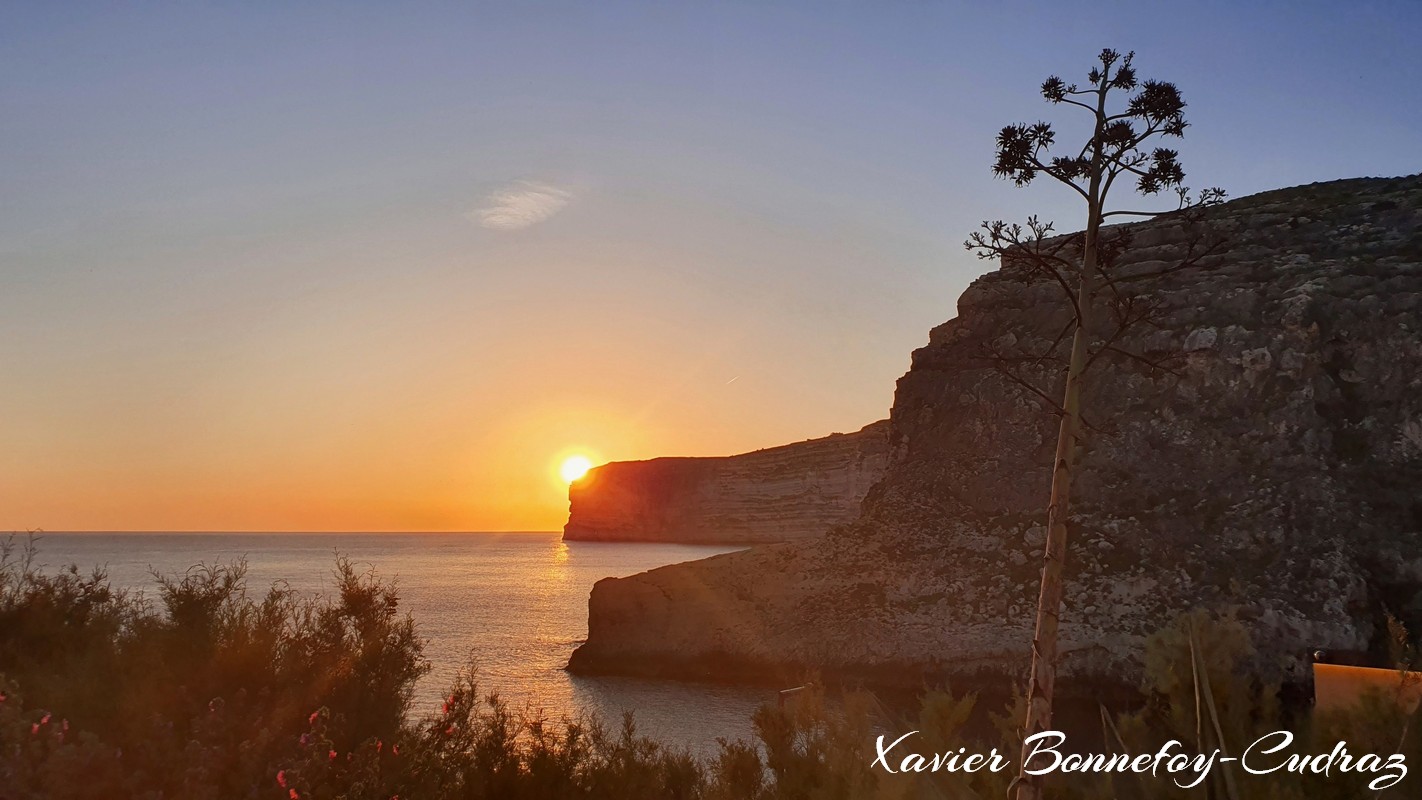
516	603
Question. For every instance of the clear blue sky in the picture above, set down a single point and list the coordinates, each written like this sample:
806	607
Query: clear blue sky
268	265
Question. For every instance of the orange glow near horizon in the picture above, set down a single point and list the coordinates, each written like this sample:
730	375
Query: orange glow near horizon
385	405
389	407
504	465
574	467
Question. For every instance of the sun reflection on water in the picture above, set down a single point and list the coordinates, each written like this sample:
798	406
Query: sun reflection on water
514	603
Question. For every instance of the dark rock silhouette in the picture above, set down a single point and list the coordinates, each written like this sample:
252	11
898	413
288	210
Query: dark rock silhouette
1276	473
774	495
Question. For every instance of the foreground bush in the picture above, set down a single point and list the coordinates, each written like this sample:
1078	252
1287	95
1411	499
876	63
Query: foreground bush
207	692
196	696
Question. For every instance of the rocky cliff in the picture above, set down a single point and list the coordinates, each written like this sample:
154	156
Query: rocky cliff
774	495
1275	470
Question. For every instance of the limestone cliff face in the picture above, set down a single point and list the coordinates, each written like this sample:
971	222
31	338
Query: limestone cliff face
1278	472
774	495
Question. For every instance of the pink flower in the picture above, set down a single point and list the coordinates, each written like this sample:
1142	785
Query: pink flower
394	749
281	778
331	755
311	720
293	795
45	719
305	739
34	729
379	745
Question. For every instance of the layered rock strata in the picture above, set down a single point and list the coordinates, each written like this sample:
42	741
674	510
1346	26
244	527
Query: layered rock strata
1275	470
779	494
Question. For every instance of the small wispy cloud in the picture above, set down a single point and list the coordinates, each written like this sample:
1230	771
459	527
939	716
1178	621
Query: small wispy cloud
521	205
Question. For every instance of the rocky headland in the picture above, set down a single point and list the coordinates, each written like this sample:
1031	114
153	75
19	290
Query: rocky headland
778	494
1274	470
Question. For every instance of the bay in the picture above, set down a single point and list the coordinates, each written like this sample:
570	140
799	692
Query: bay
515	604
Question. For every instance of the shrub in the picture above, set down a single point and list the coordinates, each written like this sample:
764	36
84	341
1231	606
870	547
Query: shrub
200	695
207	692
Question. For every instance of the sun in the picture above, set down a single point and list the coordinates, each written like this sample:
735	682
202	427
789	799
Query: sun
574	467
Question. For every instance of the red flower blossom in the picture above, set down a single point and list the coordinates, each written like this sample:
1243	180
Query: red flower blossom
281	778
331	755
293	795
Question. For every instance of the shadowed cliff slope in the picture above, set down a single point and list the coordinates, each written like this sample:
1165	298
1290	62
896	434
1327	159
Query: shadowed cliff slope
1276	473
773	495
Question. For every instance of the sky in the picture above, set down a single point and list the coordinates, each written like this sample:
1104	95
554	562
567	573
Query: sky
349	266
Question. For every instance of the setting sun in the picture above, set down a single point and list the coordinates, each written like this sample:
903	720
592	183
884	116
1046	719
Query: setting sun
575	467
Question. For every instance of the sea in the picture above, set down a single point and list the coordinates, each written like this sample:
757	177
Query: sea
513	604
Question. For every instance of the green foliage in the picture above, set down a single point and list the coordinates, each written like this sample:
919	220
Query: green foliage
1401	651
201	694
1220	693
814	752
207	692
1222	649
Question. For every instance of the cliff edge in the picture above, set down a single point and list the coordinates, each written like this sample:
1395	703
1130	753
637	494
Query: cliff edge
778	494
1273	471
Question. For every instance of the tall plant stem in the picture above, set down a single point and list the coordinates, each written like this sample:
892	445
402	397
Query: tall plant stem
1042	686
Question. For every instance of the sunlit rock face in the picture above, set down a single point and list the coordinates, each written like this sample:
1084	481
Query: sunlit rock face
1276	472
774	495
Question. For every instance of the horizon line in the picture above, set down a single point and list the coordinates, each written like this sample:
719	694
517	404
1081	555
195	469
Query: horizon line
44	532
